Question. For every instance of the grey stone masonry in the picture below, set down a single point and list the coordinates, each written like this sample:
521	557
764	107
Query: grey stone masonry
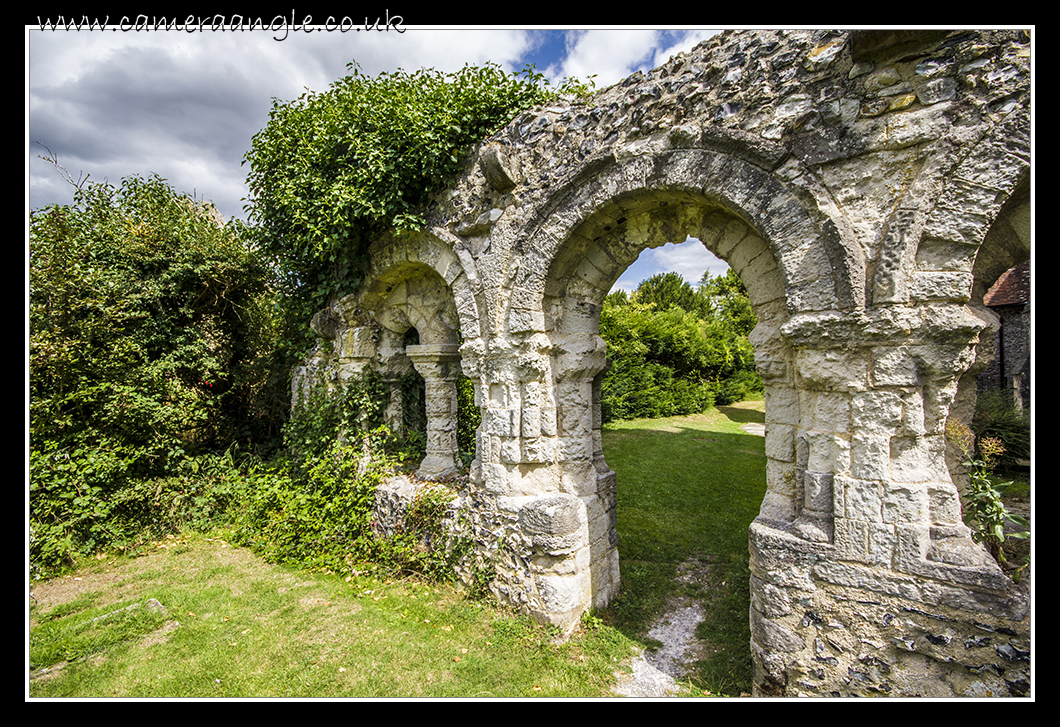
868	187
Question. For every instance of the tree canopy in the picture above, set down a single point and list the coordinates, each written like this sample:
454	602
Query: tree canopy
675	349
144	308
331	169
149	328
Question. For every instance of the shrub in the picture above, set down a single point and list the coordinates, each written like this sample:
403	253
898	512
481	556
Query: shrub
985	512
316	509
331	169
996	416
149	322
670	362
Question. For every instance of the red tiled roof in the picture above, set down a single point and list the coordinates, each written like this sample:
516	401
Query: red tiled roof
1012	288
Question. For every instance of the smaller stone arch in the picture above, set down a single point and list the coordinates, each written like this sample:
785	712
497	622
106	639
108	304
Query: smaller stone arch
408	294
928	251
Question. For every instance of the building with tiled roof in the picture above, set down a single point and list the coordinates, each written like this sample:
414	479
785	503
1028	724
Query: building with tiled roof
1010	298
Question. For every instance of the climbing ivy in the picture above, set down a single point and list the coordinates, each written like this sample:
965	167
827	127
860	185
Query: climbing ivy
331	169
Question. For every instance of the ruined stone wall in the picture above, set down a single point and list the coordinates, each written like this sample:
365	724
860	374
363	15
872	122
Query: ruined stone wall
863	185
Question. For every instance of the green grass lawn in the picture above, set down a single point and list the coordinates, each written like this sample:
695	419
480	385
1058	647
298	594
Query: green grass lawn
688	489
234	626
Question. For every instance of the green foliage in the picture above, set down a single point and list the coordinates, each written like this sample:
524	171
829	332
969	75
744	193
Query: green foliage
667	290
316	510
727	298
331	169
83	501
468	418
985	512
149	320
671	352
996	416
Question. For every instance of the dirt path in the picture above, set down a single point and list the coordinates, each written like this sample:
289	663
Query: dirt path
658	673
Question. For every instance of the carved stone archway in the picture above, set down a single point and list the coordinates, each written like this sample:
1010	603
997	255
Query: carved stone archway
862	185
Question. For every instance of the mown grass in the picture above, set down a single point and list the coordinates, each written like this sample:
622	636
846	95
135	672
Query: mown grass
688	489
236	627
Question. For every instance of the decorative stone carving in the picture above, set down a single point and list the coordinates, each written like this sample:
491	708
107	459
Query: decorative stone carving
439	365
828	170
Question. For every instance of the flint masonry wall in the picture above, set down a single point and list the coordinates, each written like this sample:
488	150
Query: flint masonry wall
868	187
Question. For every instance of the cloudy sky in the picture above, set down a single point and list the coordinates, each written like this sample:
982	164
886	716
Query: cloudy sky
115	103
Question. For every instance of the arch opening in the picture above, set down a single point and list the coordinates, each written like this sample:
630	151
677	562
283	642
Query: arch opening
418	356
1000	297
575	291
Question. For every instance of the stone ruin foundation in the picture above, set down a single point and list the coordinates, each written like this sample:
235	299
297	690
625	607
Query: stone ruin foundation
868	187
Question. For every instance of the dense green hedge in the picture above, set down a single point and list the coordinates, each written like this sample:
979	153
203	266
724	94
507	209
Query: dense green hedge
150	323
677	350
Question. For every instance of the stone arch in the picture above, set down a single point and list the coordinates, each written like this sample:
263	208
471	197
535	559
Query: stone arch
822	268
865	185
950	252
1006	243
410	287
928	252
394	258
574	251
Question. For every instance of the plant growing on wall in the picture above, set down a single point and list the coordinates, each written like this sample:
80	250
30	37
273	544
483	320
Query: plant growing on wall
985	512
331	169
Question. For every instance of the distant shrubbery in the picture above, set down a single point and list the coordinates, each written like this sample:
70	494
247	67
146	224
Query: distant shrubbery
676	349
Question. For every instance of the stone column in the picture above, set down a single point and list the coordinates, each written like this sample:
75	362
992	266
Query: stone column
580	363
439	365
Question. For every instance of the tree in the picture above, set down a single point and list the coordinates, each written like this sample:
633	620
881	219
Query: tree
727	297
148	327
145	319
670	289
675	349
332	169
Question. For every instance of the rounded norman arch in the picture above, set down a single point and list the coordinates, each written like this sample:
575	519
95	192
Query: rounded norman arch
715	198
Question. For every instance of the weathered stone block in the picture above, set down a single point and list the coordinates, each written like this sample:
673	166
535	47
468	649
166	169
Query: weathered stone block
870	456
832	370
780	443
918	459
862	499
906	504
856	223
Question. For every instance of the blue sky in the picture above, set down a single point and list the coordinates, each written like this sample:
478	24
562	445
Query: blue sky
110	104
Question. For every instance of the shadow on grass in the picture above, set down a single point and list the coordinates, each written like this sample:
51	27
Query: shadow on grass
688	490
742	415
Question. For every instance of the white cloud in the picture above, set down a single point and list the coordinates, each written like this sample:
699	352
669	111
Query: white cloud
185	105
689	259
682	42
609	54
